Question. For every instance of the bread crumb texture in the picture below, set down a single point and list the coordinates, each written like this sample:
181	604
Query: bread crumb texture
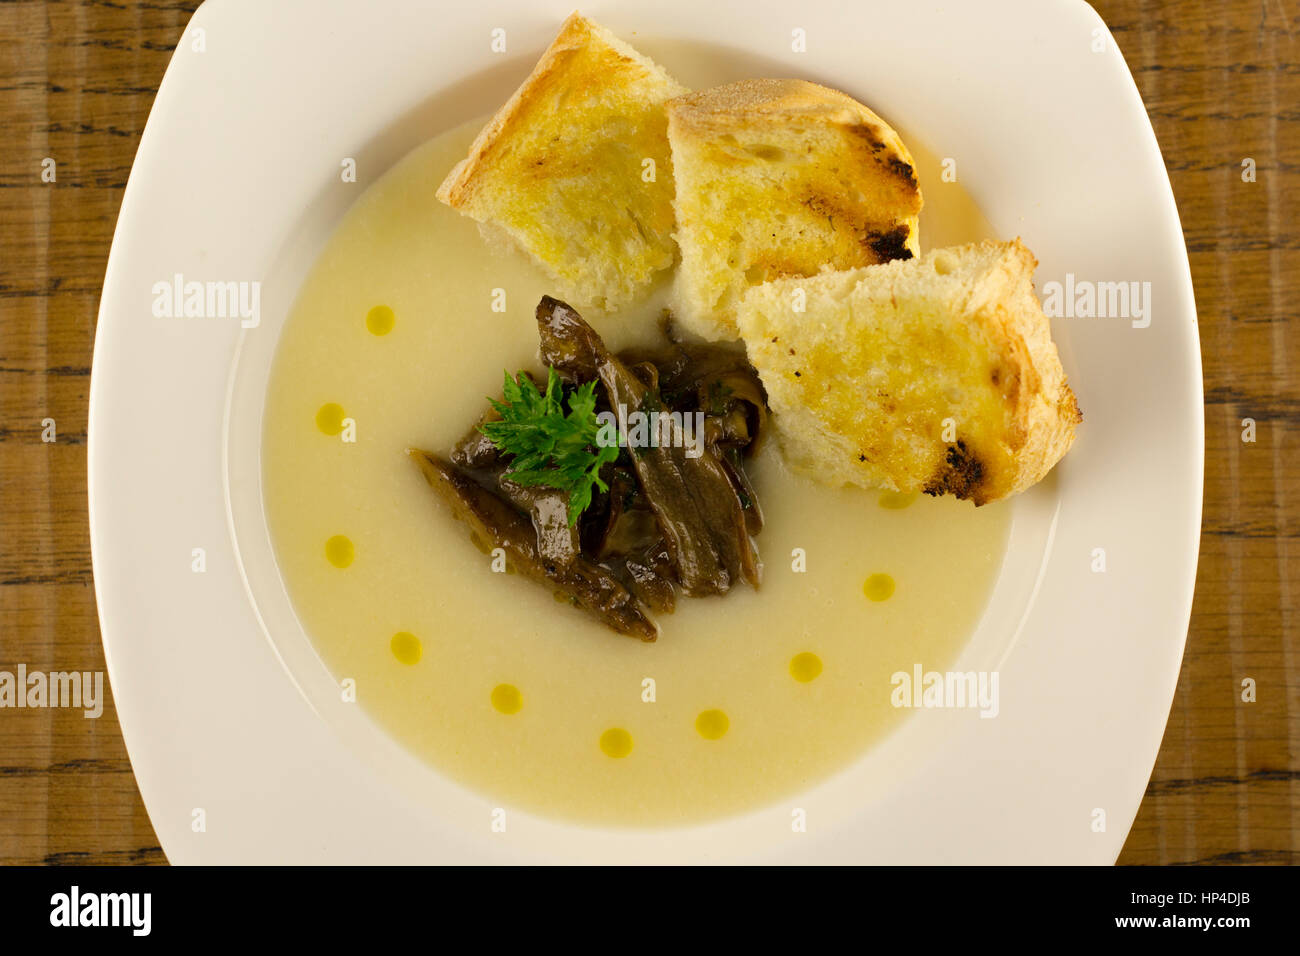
936	374
575	168
780	178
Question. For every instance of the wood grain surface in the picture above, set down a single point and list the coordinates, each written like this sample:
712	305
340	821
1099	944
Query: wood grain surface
1222	84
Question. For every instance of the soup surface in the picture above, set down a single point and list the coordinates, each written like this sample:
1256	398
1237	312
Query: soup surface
404	326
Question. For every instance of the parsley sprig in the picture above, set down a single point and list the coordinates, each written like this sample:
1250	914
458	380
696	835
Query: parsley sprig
548	446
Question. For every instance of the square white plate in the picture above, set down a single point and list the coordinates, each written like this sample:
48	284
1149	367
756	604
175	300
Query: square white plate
223	704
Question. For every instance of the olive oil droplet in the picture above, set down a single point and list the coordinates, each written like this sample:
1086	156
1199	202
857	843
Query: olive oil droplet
879	587
380	320
507	699
339	551
406	647
329	419
805	667
897	500
712	724
616	742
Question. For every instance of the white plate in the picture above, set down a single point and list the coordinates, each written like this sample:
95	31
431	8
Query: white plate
225	707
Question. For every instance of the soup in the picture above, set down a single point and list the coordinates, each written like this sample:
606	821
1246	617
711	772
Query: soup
403	327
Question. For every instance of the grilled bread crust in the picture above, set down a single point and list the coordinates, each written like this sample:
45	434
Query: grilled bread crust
936	374
575	168
781	178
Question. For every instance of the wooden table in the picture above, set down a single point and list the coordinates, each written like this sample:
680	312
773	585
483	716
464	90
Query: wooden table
1222	83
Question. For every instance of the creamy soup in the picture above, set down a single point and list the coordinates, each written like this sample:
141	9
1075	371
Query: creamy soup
744	700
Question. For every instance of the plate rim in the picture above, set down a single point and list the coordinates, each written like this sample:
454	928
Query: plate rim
99	461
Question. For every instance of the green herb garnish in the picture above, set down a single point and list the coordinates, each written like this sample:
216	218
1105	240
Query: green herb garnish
548	446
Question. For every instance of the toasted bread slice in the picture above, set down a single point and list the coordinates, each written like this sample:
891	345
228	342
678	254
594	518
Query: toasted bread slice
782	178
563	168
936	374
